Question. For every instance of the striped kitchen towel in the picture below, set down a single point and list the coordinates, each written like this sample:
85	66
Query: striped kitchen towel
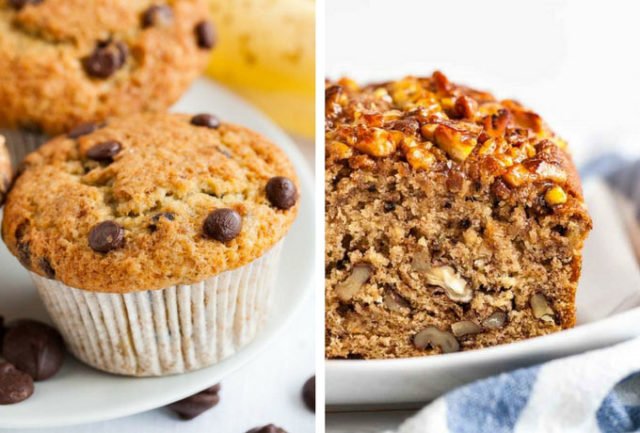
595	392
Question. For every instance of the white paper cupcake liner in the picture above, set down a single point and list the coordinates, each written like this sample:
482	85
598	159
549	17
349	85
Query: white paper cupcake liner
21	143
167	331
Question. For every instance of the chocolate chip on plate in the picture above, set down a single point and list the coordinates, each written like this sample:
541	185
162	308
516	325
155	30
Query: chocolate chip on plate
104	151
157	15
223	225
19	4
83	129
205	35
197	404
34	348
106	236
309	393
15	386
269	428
206	120
281	192
106	59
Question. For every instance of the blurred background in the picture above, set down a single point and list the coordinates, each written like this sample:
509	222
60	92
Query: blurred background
266	53
575	62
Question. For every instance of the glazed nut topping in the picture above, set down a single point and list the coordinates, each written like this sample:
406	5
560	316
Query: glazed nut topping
431	122
358	277
541	309
434	337
555	196
455	143
465	327
453	284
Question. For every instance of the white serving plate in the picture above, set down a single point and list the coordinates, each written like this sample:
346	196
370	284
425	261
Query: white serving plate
608	306
79	394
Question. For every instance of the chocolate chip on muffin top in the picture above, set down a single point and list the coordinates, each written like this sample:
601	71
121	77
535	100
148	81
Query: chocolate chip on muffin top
91	60
149	201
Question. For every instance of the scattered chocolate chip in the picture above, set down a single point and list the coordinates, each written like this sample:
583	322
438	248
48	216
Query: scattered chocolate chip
157	15
206	120
19	4
104	151
309	393
34	348
83	129
106	59
270	428
205	35
15	386
223	225
46	267
106	236
197	404
281	192
156	218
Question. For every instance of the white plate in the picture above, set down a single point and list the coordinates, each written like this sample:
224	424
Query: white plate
79	394
608	312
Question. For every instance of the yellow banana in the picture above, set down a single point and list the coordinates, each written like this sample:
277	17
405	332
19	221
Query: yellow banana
266	53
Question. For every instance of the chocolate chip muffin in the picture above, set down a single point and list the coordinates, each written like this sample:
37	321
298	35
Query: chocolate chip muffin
6	171
156	242
65	62
455	221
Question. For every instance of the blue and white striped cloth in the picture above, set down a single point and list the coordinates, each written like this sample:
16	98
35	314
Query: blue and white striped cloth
594	392
597	391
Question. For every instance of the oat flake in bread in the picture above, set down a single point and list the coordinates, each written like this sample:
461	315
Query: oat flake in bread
65	62
454	220
155	245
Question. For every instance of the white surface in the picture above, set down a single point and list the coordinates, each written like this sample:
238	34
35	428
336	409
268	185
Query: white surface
266	390
608	312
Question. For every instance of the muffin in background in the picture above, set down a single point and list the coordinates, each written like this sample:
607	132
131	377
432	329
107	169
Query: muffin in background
67	62
156	246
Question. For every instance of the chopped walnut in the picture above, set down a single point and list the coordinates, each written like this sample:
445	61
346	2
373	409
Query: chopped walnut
431	120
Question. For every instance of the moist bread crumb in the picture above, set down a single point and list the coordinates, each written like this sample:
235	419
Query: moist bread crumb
130	215
454	221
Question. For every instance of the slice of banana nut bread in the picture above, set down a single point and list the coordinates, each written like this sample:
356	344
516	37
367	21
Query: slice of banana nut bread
454	221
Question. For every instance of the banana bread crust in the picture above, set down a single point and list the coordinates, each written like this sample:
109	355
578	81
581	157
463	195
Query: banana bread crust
454	220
